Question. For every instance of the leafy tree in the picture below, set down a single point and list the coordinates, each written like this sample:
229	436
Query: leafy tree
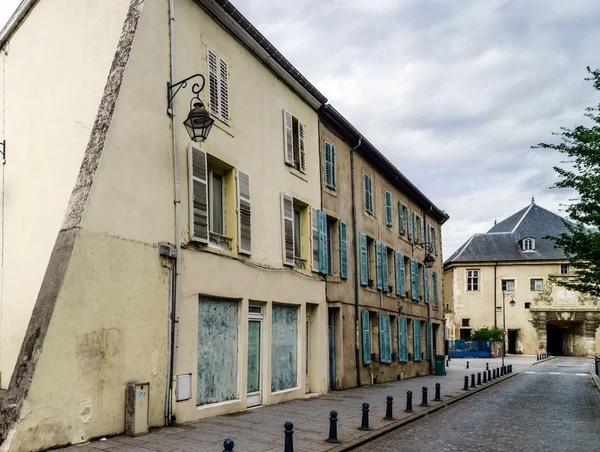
487	334
581	243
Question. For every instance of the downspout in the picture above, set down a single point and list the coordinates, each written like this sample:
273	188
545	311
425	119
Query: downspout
355	241
174	309
431	357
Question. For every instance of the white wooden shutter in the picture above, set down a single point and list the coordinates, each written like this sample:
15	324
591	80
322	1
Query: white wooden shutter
287	217
223	91
213	82
244	214
302	152
288	138
198	194
314	238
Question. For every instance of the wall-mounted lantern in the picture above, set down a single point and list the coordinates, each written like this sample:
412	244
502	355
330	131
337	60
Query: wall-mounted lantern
428	260
198	122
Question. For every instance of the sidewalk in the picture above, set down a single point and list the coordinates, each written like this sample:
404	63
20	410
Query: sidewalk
261	429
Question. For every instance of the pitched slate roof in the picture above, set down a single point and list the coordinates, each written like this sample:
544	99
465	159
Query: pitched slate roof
501	242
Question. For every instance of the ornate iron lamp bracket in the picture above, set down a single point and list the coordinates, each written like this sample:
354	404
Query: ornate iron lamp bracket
196	89
3	151
427	246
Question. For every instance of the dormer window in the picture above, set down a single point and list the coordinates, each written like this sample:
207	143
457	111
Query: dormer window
529	244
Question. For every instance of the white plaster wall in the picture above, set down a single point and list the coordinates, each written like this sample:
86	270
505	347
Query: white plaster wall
53	73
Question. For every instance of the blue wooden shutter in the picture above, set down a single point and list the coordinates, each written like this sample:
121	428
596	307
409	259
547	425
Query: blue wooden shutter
368	194
388	340
329	153
400	218
408	224
343	251
422	230
323	251
415	228
414	278
378	265
364	264
382	350
366	337
397	272
401	275
425	285
435	241
403	328
434	283
428	340
384	268
417	340
388	208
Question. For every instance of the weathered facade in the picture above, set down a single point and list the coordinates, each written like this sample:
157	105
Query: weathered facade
385	321
514	262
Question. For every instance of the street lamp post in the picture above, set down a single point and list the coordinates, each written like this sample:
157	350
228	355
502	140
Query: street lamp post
512	303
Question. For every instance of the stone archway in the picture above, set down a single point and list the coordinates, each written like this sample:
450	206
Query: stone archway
577	326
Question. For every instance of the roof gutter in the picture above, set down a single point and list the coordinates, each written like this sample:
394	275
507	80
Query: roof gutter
15	21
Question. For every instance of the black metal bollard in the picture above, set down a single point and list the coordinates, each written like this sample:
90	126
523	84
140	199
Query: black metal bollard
289	440
389	401
409	402
498	372
333	418
438	393
467	364
365	418
478	378
494	373
448	363
424	401
472	380
228	445
487	366
466	387
489	372
484	376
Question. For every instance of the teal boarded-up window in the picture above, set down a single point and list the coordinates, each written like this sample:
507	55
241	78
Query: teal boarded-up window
217	350
387	198
385	345
379	264
323	249
343	251
402	339
284	347
400	274
417	340
434	283
428	340
425	285
408	224
329	153
364	259
368	194
414	280
366	337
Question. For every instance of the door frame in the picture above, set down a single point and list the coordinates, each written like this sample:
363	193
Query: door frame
255	398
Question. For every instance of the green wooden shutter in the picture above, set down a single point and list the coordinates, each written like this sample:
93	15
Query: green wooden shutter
364	264
408	224
388	208
422	230
323	250
378	264
435	241
417	340
384	269
425	285
434	283
428	340
366	337
400	218
343	251
368	194
329	154
382	350
404	329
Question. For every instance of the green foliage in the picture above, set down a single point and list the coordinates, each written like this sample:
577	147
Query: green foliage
487	334
581	244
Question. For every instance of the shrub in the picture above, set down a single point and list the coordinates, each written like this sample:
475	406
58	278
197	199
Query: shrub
487	334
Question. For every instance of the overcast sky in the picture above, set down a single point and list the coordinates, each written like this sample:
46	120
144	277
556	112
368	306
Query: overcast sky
453	92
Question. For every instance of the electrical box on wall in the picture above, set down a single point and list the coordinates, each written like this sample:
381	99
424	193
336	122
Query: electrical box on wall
184	387
136	408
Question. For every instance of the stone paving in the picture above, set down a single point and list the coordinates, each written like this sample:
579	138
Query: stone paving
261	429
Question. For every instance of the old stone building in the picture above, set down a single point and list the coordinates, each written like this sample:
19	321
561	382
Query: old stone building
515	266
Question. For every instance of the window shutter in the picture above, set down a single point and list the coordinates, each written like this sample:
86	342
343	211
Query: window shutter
329	154
401	217
378	264
384	268
414	279
435	241
425	285
422	230
343	251
382	350
314	238
415	228
388	209
244	214
213	83
323	257
402	339
224	91
288	138
388	339
366	337
364	264
400	275
434	283
428	340
301	129
408	224
198	188
287	216
417	340
368	194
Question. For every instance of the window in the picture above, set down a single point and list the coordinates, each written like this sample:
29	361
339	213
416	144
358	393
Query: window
366	336
472	280
400	274
391	270
409	230
332	244
536	284
218	87
381	265
216	201
368	194
371	264
343	250
385	339
416	223
465	322
414	281
434	288
508	285
527	305
294	215
387	199
330	170
364	259
319	241
297	232
423	269
564	269
529	244
293	135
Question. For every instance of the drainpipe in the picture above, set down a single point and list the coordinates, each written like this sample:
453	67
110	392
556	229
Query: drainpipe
354	250
174	309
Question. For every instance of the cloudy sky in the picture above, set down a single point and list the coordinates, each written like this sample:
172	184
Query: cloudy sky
453	92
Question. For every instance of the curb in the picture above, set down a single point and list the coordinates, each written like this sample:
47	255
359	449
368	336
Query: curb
353	444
